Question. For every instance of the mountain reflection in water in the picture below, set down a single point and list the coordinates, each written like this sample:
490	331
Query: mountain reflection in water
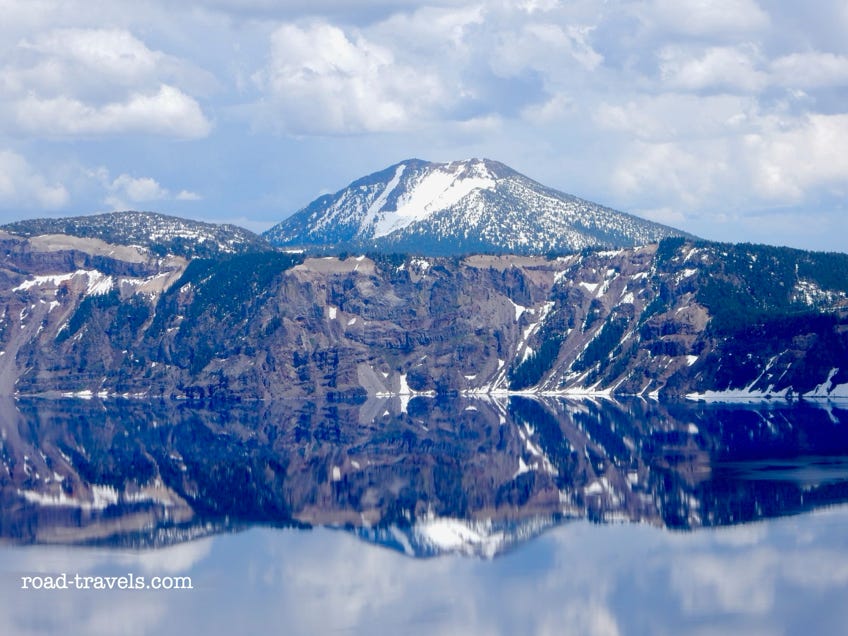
423	475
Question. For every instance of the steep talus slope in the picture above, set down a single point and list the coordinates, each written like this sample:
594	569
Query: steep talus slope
682	318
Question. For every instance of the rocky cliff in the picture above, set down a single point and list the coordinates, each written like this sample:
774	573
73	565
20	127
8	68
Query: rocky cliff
79	316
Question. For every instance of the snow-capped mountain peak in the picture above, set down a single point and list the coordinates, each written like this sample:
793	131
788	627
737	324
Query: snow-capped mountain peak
456	207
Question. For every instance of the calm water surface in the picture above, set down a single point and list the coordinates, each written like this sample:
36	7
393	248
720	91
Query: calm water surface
783	576
465	516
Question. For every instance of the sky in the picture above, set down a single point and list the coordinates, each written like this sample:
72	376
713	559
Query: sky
724	118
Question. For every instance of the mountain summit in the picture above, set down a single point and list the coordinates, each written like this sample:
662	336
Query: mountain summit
477	205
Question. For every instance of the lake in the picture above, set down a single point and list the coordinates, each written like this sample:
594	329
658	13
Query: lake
463	515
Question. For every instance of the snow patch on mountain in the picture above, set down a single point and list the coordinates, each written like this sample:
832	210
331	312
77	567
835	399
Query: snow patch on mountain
460	207
374	210
439	190
97	283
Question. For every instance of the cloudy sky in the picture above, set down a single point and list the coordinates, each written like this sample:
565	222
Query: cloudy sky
726	118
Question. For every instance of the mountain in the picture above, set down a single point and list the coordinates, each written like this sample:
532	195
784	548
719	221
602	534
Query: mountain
679	318
460	207
158	233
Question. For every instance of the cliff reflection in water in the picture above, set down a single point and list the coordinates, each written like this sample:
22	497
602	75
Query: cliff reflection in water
423	476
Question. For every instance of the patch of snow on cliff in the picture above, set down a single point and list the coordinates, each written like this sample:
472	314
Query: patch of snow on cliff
99	283
404	386
839	391
811	294
420	264
51	279
827	389
522	468
102	497
733	395
519	310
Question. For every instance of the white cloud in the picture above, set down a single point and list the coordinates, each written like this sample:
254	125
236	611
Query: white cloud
138	189
546	47
812	69
708	584
319	7
533	6
166	111
21	184
788	161
708	17
676	116
671	172
432	31
724	68
111	54
91	82
126	191
433	65
549	111
667	215
319	80
741	180
484	125
743	68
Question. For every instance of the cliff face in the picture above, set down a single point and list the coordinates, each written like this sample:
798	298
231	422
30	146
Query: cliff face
84	317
